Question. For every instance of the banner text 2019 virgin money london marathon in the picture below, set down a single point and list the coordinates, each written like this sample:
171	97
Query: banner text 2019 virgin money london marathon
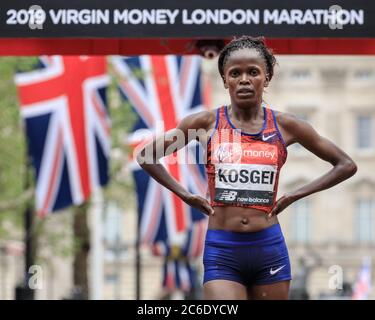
115	18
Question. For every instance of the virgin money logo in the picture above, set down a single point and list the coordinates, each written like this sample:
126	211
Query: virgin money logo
228	153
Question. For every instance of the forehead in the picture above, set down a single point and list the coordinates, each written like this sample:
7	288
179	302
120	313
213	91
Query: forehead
245	56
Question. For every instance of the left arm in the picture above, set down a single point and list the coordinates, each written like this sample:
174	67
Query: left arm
296	130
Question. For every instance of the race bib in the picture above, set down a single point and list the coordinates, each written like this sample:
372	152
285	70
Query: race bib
239	183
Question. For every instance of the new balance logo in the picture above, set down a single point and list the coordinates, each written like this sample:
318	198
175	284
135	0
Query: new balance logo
272	272
265	138
228	195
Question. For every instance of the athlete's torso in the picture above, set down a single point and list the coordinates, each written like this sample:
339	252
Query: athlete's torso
243	172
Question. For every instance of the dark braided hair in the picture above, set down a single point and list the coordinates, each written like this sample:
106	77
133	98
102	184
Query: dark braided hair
243	42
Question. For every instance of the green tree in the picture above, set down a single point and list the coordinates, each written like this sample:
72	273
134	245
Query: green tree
14	197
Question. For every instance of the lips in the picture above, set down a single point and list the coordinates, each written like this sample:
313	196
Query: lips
245	90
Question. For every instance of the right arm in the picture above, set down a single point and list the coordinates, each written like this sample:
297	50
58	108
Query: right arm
170	142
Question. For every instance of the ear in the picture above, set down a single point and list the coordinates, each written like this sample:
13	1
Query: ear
225	83
266	82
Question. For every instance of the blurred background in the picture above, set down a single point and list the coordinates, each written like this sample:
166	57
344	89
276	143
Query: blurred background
86	247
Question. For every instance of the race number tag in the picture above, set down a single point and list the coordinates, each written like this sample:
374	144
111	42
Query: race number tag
245	183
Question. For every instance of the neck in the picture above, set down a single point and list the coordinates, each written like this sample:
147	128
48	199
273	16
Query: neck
251	112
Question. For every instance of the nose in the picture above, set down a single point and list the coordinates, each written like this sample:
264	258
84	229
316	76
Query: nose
244	78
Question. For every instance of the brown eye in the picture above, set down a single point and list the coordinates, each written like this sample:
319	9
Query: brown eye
234	73
254	72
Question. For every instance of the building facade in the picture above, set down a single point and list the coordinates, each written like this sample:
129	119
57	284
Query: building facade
329	234
334	230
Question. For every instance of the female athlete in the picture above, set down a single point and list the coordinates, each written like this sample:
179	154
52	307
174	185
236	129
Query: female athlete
245	255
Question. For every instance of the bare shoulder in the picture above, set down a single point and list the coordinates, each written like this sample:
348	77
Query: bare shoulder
290	126
286	120
201	120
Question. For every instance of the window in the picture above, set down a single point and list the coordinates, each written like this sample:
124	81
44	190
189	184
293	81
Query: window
365	132
300	221
301	74
363	74
364	221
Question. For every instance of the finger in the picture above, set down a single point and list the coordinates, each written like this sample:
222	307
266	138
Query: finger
204	209
209	209
273	212
207	206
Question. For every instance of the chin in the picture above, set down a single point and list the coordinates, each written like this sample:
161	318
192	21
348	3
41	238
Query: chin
245	103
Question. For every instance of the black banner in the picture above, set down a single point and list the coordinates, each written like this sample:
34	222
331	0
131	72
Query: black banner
186	19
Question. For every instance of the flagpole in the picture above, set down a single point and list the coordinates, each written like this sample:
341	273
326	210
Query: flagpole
23	290
29	257
97	256
138	261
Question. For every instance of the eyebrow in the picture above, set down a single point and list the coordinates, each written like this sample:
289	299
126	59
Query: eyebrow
237	66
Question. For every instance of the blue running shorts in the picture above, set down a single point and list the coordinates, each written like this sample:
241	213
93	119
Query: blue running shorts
251	258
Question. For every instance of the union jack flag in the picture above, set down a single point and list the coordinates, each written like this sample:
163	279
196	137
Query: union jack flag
63	104
362	286
169	89
179	274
